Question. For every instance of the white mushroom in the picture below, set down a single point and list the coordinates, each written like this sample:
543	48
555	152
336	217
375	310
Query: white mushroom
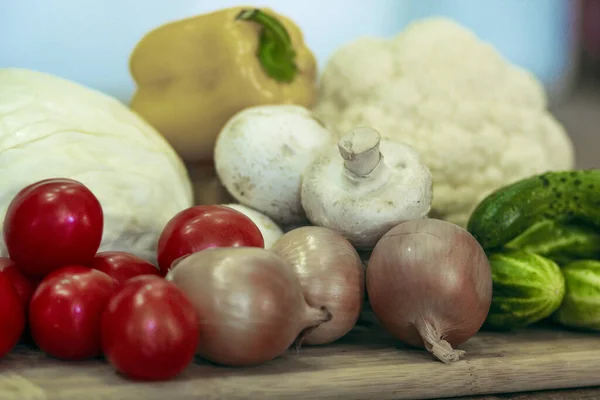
366	186
260	155
269	229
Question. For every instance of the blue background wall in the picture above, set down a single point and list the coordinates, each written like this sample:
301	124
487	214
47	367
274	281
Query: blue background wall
89	41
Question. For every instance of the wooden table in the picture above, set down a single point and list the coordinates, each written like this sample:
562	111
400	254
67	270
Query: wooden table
569	394
367	364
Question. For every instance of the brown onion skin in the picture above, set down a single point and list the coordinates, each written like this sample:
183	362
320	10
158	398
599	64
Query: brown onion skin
331	274
249	301
429	273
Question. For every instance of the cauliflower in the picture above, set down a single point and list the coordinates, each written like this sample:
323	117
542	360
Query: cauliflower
478	122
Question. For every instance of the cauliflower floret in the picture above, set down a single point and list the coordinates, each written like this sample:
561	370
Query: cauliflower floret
478	121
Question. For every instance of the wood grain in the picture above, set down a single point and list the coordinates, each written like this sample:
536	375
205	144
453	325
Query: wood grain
563	394
364	365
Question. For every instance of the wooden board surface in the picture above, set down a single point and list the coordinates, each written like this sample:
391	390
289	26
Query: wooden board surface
364	365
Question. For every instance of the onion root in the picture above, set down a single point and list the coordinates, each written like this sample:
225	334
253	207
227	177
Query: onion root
436	344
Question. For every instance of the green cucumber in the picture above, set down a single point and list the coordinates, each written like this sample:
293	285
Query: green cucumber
561	196
581	305
559	242
526	289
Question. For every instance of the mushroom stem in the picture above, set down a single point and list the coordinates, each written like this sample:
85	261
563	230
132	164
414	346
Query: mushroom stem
360	150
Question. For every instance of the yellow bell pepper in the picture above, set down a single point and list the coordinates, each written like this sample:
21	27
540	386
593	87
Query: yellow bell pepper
194	74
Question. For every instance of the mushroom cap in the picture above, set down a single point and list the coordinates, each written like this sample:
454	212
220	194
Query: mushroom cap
260	156
363	209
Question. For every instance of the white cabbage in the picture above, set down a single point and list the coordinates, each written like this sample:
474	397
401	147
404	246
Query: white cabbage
51	127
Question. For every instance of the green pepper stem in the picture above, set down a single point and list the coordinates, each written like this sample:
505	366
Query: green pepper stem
275	51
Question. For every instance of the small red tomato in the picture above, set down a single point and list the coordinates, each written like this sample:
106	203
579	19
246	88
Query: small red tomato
122	266
65	312
52	223
202	227
23	285
149	329
12	315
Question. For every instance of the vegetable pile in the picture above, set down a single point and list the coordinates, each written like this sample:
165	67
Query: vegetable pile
375	190
218	292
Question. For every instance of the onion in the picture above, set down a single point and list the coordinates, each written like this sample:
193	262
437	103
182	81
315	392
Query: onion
429	284
332	276
249	301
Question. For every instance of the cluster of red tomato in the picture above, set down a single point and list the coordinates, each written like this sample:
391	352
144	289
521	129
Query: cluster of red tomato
77	303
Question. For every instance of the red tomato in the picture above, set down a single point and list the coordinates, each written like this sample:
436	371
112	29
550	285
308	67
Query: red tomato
122	266
23	285
12	315
149	329
53	223
66	309
201	227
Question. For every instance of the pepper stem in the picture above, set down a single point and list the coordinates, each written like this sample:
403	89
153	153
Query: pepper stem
275	51
360	150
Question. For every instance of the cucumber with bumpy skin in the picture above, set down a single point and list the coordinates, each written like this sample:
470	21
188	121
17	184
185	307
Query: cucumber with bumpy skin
526	289
560	196
581	305
559	242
